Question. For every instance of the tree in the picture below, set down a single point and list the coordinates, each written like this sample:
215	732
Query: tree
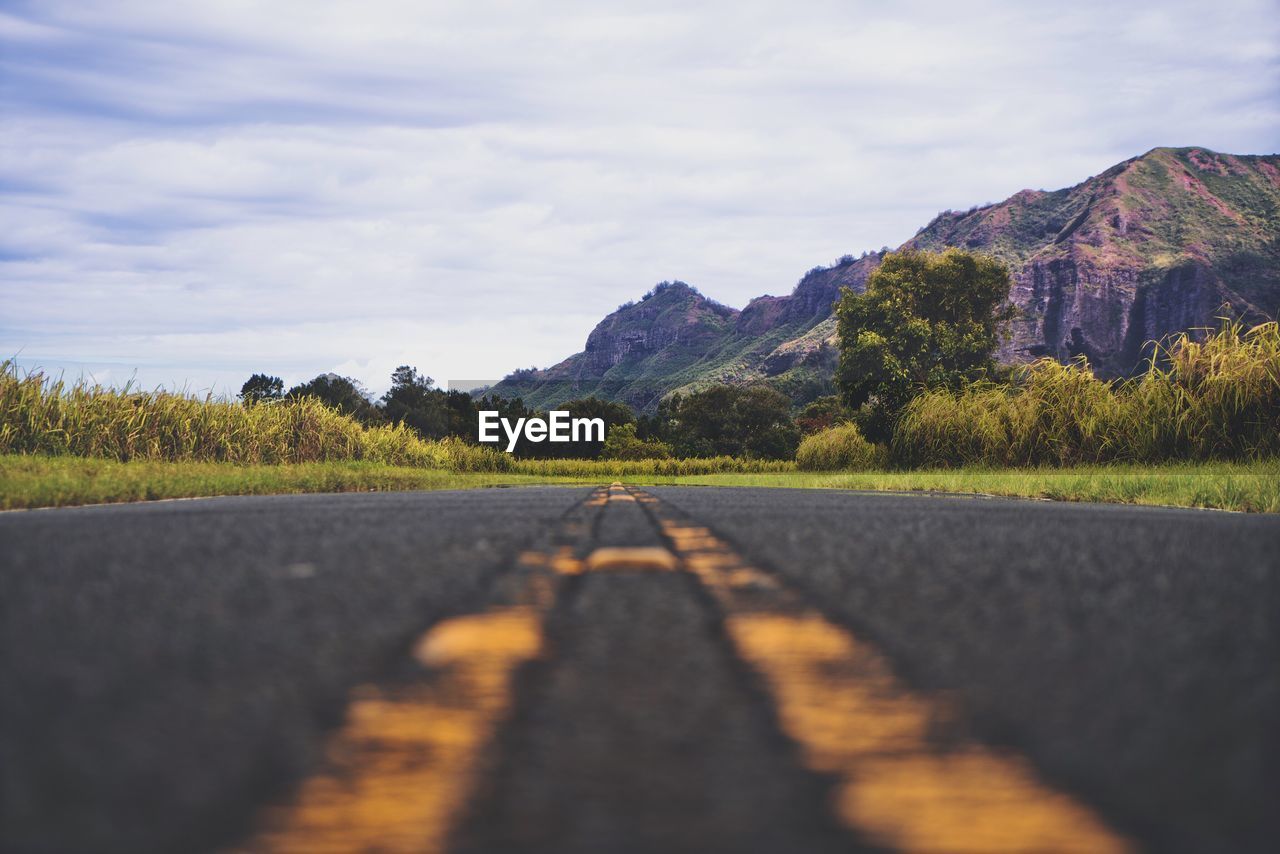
728	420
926	320
261	387
412	400
341	393
460	414
824	412
621	443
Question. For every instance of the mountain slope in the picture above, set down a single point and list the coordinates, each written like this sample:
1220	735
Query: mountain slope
1155	245
1158	244
675	338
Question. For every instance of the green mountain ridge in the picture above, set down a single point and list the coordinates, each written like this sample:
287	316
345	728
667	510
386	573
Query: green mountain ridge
1161	243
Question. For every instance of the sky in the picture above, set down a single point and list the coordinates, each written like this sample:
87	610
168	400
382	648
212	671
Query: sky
194	192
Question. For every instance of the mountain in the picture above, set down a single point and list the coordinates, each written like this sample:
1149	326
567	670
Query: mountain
1158	244
1155	245
675	338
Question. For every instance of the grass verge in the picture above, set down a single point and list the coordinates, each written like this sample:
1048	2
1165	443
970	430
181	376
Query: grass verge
1245	487
33	481
36	481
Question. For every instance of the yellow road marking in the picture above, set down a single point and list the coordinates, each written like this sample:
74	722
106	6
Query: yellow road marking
839	700
653	557
561	560
405	761
402	767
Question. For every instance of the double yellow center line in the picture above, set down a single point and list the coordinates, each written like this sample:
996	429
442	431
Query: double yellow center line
399	772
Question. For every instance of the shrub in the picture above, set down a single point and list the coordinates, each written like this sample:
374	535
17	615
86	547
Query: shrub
622	444
836	448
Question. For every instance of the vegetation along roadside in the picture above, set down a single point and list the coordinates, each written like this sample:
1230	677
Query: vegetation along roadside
923	406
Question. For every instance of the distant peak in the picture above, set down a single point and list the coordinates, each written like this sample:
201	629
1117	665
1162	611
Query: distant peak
1185	149
676	286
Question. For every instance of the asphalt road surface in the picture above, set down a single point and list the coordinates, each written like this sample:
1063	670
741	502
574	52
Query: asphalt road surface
673	669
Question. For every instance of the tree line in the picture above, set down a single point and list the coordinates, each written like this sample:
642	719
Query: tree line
719	420
925	322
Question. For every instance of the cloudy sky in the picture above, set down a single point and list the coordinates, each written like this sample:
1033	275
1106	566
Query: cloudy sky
192	192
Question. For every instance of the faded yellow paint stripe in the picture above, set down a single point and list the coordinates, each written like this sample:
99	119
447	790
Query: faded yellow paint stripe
405	762
561	560
839	700
642	557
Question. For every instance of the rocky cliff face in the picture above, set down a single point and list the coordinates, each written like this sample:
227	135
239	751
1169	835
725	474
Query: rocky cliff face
671	315
1159	244
820	288
675	338
634	354
1162	243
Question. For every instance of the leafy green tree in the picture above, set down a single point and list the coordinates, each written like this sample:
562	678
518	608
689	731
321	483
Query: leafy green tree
926	320
461	409
593	407
414	401
621	443
344	394
822	413
261	387
728	420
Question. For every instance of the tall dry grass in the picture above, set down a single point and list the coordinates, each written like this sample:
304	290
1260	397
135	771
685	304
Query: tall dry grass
49	416
839	448
1216	399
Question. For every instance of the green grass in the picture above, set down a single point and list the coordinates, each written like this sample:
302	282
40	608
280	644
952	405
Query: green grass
38	481
1056	432
608	469
1246	487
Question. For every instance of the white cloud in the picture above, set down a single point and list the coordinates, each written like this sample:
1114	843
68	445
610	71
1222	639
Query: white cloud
205	191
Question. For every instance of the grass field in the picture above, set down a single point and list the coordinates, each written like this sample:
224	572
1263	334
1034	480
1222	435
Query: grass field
1056	433
30	481
38	481
1246	487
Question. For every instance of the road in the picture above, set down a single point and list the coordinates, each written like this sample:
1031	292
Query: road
623	670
